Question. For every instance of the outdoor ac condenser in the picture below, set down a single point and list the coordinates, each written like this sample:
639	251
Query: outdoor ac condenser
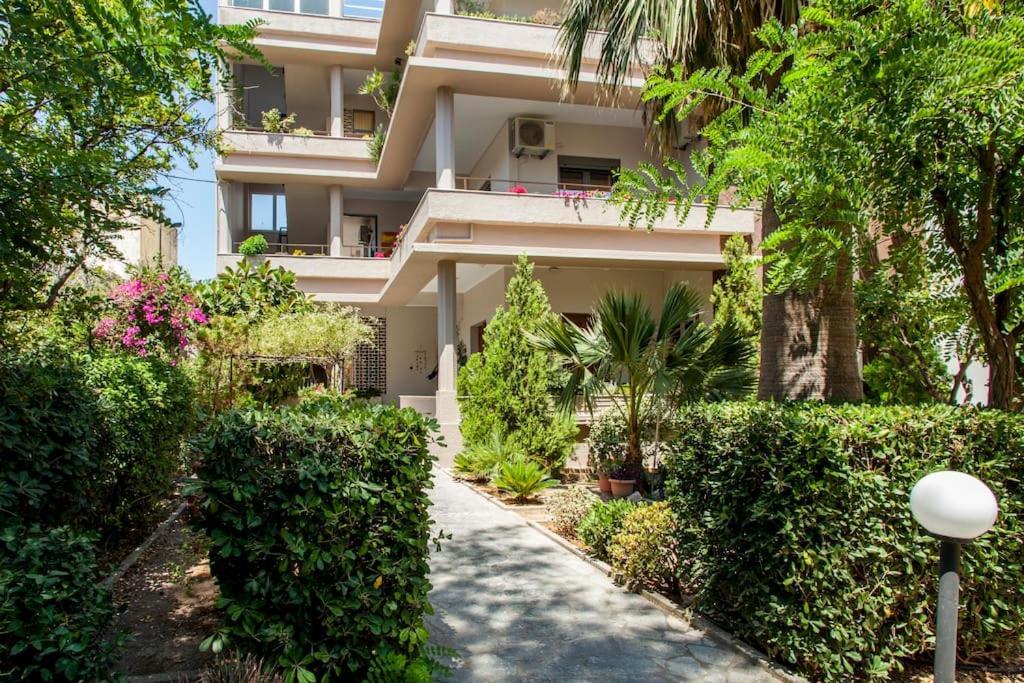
532	137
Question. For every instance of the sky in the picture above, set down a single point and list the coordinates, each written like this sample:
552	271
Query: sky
191	202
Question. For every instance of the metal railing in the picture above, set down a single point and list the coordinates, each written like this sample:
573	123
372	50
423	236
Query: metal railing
368	251
567	190
371	10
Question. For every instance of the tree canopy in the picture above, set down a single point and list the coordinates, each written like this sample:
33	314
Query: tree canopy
890	122
97	99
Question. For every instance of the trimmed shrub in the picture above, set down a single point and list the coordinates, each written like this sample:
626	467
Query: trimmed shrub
47	427
600	525
568	507
506	387
795	530
319	533
643	553
146	408
55	617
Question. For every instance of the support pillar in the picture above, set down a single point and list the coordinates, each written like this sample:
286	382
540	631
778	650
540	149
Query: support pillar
446	406
444	134
337	127
223	191
335	219
444	6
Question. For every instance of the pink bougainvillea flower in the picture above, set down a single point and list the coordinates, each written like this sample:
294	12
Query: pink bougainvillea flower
104	327
196	315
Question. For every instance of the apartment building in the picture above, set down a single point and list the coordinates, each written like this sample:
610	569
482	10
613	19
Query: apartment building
484	159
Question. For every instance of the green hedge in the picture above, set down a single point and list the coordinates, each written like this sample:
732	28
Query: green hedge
319	532
795	530
53	615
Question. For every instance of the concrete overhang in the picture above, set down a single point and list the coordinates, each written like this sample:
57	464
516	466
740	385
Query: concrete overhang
259	157
495	228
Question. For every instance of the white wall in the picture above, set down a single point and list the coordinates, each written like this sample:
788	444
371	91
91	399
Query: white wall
494	161
478	304
411	349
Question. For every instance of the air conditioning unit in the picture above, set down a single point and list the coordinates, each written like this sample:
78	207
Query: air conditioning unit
533	137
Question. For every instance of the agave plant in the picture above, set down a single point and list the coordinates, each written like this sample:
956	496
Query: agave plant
480	461
522	477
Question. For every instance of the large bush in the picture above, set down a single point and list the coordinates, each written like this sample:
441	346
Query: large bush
146	409
48	416
318	520
795	529
643	553
600	525
53	614
504	389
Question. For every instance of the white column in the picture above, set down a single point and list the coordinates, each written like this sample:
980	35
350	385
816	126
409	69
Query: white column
335	8
446	405
444	6
444	134
334	222
223	105
223	224
337	101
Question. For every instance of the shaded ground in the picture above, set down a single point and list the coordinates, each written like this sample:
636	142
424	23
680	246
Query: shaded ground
516	606
166	604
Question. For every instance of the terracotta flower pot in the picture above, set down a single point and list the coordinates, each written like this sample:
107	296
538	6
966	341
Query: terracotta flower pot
602	483
621	487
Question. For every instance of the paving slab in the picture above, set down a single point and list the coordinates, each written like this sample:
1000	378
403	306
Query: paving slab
517	606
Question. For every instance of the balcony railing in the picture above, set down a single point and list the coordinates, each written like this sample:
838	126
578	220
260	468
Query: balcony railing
347	250
566	190
372	10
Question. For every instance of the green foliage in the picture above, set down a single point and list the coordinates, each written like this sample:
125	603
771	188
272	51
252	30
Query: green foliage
254	245
522	477
894	119
394	667
736	296
55	616
568	507
319	533
640	360
597	529
146	409
274	122
376	142
795	532
328	334
504	388
238	300
479	461
253	292
98	102
383	89
643	553
246	669
606	443
48	417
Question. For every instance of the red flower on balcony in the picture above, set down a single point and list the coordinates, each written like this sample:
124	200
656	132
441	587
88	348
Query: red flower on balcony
518	189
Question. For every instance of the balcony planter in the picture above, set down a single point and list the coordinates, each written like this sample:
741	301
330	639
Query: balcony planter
603	483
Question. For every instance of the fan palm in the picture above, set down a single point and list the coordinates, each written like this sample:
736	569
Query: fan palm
641	361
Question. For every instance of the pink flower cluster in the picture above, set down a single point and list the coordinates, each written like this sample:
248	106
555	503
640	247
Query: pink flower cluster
152	313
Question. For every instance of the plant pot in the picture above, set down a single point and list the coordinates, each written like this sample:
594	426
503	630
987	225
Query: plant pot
602	483
621	487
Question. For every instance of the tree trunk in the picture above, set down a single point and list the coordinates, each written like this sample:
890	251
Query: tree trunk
809	340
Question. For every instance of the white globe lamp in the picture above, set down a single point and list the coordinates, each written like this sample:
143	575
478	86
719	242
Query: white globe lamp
956	508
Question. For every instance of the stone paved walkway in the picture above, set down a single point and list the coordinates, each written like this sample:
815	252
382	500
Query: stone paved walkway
518	607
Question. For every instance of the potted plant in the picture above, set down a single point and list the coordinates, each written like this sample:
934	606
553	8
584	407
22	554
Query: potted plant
622	481
606	446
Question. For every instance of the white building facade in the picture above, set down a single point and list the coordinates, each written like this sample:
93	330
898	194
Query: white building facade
484	159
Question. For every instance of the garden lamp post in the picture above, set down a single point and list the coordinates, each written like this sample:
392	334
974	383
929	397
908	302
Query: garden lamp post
955	508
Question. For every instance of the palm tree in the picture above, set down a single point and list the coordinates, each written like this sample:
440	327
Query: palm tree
809	340
642	361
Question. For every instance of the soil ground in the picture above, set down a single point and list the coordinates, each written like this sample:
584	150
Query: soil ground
166	604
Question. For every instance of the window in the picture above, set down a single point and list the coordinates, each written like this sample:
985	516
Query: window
268	212
583	173
363	121
250	4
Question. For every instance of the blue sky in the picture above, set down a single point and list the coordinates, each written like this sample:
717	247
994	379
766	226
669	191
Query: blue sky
192	203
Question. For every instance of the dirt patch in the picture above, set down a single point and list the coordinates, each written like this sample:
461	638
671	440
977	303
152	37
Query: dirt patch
166	605
922	673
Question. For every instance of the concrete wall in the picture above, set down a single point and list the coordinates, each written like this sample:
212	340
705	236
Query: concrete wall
308	213
494	162
307	92
478	304
411	349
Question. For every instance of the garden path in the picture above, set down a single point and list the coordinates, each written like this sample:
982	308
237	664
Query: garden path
518	607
